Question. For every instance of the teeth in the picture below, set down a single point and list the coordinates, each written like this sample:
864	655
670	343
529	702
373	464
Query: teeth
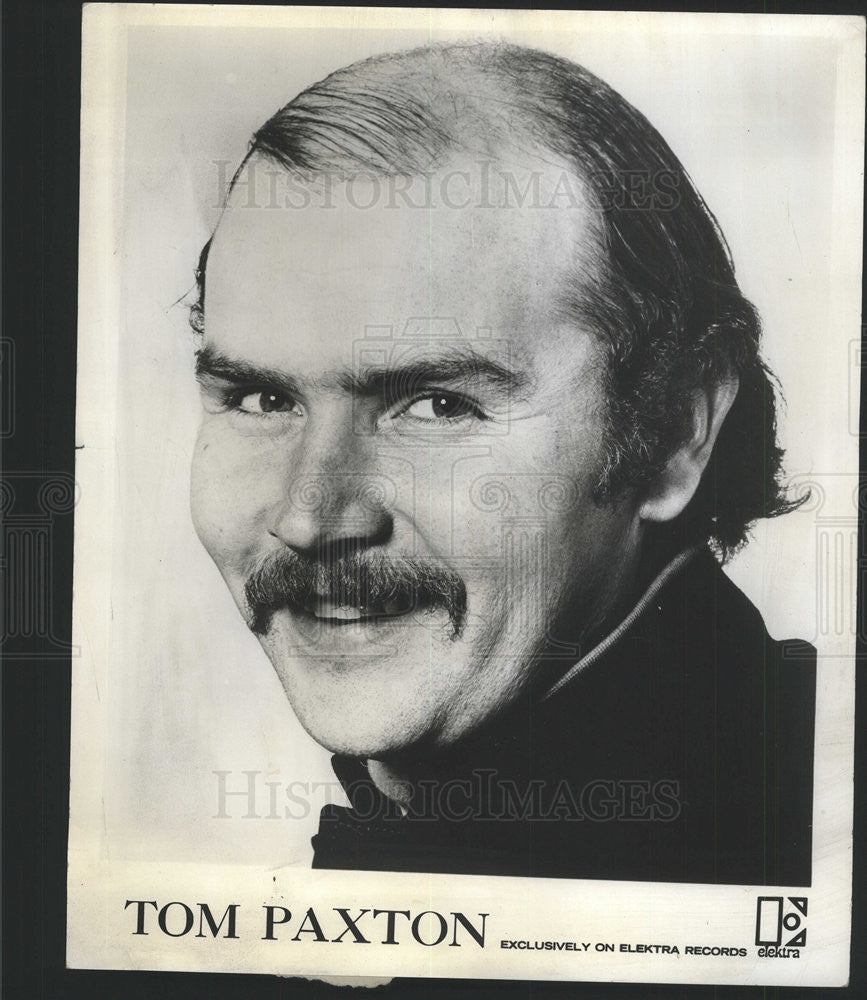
342	612
322	608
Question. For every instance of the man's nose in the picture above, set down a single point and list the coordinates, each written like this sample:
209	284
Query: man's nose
334	500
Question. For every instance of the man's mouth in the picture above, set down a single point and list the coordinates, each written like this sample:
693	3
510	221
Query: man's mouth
370	591
334	613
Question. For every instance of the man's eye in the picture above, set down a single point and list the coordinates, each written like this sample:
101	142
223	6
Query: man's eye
439	406
266	401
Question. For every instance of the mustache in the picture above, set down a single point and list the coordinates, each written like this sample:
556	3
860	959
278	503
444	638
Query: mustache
358	579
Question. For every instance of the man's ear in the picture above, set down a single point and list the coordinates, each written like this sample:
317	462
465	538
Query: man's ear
675	486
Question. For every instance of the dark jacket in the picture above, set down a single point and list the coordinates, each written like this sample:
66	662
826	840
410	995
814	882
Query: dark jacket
684	754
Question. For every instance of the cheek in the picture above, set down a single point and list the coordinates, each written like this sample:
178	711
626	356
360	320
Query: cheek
227	500
516	501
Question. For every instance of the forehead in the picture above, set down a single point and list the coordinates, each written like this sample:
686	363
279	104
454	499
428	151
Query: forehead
298	272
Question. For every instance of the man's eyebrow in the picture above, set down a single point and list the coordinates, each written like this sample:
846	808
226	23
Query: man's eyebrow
213	364
391	381
463	366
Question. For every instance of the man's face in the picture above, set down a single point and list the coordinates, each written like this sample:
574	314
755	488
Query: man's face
401	434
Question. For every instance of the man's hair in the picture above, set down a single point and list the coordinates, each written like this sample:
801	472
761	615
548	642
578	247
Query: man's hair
664	301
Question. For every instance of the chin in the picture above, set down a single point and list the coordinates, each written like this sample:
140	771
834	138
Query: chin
389	712
394	691
368	704
375	730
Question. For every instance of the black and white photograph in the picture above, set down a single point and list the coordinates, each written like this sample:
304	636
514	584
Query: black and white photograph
467	443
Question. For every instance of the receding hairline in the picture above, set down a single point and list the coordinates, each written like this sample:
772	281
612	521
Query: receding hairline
458	102
418	105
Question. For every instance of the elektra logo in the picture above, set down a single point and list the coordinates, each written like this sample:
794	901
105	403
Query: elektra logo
776	916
